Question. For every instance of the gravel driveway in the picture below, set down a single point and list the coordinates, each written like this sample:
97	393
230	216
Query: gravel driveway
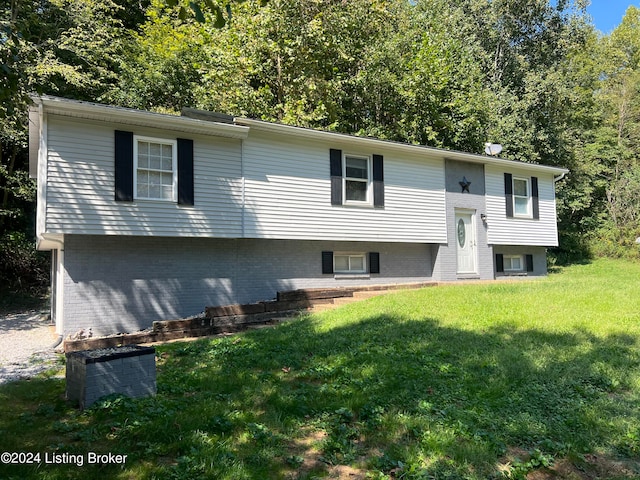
26	341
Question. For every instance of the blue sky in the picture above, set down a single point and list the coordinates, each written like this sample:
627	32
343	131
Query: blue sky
607	14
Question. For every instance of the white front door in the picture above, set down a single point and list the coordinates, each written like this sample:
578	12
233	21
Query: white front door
466	242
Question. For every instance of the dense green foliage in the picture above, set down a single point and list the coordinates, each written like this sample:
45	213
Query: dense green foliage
455	74
477	382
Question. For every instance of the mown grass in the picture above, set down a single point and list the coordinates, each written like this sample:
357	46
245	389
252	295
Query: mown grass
443	383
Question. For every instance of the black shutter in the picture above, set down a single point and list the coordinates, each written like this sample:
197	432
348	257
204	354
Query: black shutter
374	262
335	157
534	198
327	262
123	166
508	193
378	181
529	261
499	263
185	171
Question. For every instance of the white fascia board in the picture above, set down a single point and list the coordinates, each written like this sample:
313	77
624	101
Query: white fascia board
128	116
308	133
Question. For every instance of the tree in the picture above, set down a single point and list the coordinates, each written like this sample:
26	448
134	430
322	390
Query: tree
616	140
70	48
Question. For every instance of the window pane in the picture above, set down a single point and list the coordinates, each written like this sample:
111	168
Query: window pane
167	164
155	178
167	193
521	206
143	148
167	179
357	167
155	149
143	190
166	151
155	191
143	177
520	188
341	263
143	161
356	191
357	264
155	162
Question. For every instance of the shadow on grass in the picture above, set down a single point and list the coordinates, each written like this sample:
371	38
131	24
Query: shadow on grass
388	392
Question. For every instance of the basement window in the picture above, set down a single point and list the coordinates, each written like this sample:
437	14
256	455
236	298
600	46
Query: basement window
349	263
513	263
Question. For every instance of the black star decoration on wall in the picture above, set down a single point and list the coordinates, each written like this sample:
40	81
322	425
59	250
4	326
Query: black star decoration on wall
465	184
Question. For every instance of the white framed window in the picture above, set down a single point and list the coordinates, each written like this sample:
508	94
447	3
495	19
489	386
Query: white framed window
350	263
155	168
521	197
513	263
357	180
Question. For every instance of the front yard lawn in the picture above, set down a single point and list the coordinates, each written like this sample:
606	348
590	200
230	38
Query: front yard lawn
529	379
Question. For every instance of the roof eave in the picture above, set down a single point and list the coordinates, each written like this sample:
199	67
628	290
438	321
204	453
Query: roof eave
308	133
128	116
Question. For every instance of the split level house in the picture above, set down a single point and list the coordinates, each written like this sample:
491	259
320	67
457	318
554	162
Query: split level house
152	217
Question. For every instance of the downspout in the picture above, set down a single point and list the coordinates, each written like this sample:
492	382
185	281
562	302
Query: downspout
60	337
57	342
557	179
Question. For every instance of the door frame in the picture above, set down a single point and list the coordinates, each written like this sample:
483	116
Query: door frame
471	235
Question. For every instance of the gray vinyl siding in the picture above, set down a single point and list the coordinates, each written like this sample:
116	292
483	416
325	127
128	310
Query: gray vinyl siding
80	187
122	284
519	231
288	195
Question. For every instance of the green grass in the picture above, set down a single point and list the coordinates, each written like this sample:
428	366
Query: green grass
454	382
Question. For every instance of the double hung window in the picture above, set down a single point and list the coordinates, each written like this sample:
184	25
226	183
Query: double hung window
521	197
155	167
356	179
